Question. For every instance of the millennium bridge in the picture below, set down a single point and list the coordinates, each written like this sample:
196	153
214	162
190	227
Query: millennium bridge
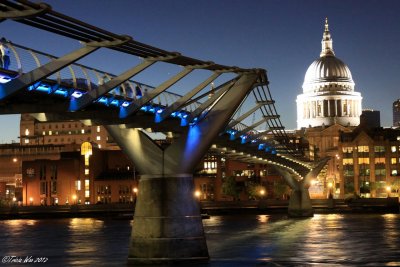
237	117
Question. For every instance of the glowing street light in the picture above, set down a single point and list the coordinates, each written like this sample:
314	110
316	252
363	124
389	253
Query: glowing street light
31	200
197	193
388	189
74	198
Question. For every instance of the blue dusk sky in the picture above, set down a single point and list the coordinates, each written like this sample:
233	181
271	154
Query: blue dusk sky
283	37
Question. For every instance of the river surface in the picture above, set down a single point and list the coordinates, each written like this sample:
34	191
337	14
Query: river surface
245	240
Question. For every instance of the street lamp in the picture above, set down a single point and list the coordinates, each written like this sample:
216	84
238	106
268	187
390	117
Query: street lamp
31	201
388	189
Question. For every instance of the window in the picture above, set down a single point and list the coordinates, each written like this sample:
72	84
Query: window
393	149
87	190
348	162
378	149
380	171
53	170
364	170
363	149
86	171
348	170
363	160
83	131
380	160
43	187
50	132
98	138
98	129
393	160
78	185
53	187
394	173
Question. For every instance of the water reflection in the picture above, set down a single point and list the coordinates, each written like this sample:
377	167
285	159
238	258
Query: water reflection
245	240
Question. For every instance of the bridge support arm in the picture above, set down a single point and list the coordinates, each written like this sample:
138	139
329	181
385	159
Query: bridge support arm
185	153
299	202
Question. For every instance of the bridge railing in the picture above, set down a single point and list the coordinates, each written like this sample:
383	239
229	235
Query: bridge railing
24	59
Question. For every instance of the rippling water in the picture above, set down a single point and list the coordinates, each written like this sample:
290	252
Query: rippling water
245	240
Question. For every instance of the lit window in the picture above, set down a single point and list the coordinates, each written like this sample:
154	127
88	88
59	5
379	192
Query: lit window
83	131
27	132
86	171
98	138
50	132
363	149
393	160
26	141
78	185
347	161
363	160
87	191
44	133
393	148
99	146
394	173
98	129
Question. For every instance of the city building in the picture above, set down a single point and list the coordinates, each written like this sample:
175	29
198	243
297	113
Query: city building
371	118
328	91
369	162
35	132
80	175
85	174
329	105
396	113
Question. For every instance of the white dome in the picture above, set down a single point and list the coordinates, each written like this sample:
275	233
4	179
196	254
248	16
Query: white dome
325	72
328	91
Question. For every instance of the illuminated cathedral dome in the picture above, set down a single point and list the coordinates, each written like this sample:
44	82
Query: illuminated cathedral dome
328	73
328	91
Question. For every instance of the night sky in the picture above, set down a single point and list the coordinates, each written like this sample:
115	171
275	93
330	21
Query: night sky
283	37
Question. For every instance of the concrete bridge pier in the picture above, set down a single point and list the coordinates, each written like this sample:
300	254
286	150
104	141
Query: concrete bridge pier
167	225
300	203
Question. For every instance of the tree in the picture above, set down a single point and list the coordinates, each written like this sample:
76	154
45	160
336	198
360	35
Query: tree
254	190
281	188
229	187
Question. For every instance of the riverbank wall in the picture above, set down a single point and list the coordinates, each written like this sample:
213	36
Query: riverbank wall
126	210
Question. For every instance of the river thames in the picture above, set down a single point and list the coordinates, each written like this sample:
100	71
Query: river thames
243	240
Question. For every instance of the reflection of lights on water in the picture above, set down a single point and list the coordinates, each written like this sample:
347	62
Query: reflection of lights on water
263	218
84	224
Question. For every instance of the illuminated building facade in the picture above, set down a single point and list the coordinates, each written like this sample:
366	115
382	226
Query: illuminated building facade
83	175
370	162
396	113
328	91
34	132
